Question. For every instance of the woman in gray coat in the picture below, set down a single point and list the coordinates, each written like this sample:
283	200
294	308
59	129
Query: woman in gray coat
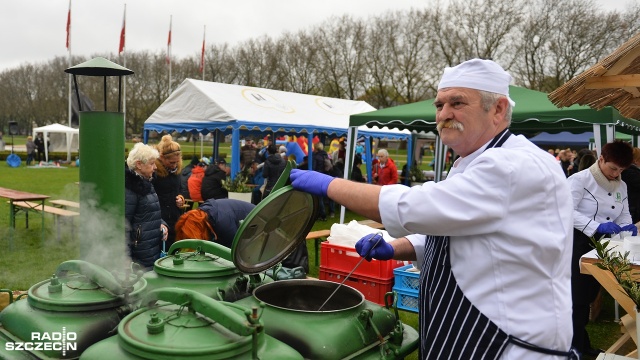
145	227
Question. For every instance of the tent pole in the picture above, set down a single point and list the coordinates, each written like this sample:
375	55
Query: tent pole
597	137
235	152
369	158
352	136
410	156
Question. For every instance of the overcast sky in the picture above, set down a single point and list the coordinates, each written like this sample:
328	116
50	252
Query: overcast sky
35	30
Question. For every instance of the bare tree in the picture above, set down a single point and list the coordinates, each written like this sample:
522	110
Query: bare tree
341	63
467	29
297	70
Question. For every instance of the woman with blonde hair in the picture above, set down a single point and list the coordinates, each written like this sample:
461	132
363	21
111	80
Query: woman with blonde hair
167	183
144	226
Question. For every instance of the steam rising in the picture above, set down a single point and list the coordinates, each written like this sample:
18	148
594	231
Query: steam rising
102	232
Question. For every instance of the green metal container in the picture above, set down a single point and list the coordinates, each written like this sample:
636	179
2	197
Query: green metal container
80	305
185	324
206	268
348	326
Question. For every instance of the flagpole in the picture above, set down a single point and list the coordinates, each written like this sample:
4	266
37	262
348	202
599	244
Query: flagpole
202	58
124	60
169	51
69	61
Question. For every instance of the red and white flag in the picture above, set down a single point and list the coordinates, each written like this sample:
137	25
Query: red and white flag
123	31
69	27
202	56
169	42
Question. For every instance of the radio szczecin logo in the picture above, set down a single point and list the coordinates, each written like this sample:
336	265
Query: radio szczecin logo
46	341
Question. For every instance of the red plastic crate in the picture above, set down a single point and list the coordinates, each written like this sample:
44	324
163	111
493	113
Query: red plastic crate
372	289
344	259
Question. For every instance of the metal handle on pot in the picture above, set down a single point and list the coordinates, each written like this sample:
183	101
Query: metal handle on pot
204	305
93	272
208	246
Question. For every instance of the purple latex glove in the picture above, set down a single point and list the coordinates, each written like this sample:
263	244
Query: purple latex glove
631	227
312	182
609	228
367	248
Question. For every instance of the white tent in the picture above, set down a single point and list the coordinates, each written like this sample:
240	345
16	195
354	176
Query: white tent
59	137
201	107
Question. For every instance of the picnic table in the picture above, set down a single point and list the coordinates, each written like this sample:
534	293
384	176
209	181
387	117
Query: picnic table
65	204
21	196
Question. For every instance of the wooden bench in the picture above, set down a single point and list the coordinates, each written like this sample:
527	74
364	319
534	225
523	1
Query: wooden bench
65	204
319	236
57	213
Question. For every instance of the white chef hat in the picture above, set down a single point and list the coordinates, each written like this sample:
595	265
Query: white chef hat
478	74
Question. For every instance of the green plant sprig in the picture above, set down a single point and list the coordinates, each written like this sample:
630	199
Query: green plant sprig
620	266
239	184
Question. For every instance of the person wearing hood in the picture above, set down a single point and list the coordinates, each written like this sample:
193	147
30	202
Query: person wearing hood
212	181
144	226
167	183
184	177
272	169
195	181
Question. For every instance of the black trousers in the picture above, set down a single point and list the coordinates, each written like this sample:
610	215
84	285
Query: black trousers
584	290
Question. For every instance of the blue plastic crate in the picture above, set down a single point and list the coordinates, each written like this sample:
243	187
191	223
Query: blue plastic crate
407	300
406	280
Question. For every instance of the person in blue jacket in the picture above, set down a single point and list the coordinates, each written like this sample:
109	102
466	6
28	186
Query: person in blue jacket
215	220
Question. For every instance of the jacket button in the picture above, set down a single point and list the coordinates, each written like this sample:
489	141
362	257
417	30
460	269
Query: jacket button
609	194
608	218
613	207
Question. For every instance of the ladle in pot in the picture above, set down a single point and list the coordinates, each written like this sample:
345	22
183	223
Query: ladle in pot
379	235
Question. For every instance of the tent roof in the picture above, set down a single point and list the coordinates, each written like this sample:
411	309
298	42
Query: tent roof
55	128
563	139
202	106
533	113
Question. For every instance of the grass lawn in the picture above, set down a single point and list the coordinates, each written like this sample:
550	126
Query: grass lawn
27	260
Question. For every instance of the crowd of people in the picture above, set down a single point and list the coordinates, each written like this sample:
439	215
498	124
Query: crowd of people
523	218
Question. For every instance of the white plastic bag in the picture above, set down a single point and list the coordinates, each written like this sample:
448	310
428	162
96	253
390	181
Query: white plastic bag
349	234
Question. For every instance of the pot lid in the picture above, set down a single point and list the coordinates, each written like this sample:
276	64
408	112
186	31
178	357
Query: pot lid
198	327
273	229
206	261
82	286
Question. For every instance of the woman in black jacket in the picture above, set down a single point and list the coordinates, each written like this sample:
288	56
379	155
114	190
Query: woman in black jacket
167	183
144	225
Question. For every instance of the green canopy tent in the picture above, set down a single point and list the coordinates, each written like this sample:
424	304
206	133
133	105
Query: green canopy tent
533	113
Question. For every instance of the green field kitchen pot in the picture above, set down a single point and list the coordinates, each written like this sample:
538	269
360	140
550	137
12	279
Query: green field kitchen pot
184	324
348	326
205	267
61	317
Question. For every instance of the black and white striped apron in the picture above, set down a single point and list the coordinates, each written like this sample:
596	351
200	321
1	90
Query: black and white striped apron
451	327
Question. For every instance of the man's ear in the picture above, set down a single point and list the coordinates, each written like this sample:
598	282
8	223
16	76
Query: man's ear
501	107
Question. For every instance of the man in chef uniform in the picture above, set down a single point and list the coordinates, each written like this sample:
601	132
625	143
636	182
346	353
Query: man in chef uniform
495	265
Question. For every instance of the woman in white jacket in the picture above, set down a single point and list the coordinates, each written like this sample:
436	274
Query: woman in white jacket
599	208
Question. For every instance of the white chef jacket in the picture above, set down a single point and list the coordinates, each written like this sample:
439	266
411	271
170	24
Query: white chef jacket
594	205
508	213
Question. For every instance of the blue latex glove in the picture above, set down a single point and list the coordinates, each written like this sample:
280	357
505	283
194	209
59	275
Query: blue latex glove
312	182
609	228
367	248
631	227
